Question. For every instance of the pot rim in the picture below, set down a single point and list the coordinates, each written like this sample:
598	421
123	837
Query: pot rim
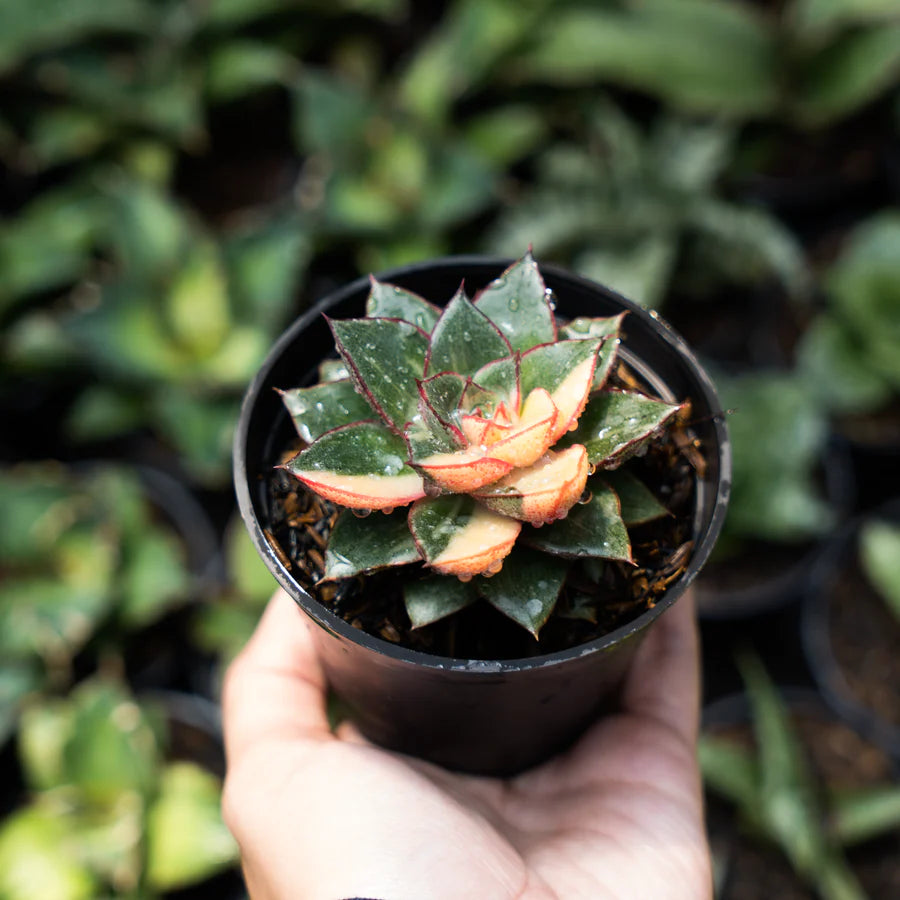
335	624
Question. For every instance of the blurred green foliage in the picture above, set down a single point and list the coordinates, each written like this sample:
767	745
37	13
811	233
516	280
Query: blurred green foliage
180	178
107	812
779	798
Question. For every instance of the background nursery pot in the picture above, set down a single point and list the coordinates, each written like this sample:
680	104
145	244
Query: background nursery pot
493	717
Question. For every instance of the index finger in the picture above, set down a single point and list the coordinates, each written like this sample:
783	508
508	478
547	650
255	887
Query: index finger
275	689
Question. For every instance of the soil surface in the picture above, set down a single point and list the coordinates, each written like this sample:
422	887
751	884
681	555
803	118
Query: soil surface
865	639
590	605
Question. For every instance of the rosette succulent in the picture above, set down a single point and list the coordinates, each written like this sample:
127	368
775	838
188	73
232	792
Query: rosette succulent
486	434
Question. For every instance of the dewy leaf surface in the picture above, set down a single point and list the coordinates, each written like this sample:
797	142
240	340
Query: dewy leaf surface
500	378
518	304
638	503
566	370
607	329
526	588
464	339
593	529
385	358
436	598
615	423
361	466
443	393
322	407
393	302
357	545
457	536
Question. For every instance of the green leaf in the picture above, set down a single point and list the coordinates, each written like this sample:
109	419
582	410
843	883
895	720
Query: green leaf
637	501
392	302
614	424
363	448
444	393
321	408
44	730
154	578
518	304
836	368
187	841
791	813
700	55
197	301
112	747
363	545
503	136
499	378
385	357
851	71
241	67
818	16
865	813
265	262
455	529
17	681
67	134
333	370
526	588
246	571
550	366
30	27
591	529
640	271
435	598
879	554
330	115
585	327
464	339
37	858
732	772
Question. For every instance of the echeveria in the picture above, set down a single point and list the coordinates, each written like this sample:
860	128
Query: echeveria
472	427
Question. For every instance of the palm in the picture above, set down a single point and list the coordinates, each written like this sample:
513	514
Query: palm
319	815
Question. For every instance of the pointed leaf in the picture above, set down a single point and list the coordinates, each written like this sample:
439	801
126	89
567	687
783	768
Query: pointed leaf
865	813
362	466
499	378
363	545
518	304
879	551
526	588
606	328
436	598
731	770
566	370
592	529
529	439
315	410
614	424
443	393
638	503
457	536
464	339
392	302
462	471
385	358
543	492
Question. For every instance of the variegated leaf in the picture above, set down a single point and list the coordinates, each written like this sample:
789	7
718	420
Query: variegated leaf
464	339
362	466
566	370
526	588
498	379
393	302
591	529
608	330
317	409
361	545
386	358
615	424
435	598
457	536
518	304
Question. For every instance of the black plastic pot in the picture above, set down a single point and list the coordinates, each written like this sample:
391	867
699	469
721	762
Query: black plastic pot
816	631
495	717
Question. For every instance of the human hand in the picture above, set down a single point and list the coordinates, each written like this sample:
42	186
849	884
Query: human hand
323	816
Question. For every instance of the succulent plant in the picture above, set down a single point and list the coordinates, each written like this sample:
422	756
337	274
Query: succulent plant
495	426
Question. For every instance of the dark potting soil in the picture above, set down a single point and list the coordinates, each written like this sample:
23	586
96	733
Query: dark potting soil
841	759
589	606
864	638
